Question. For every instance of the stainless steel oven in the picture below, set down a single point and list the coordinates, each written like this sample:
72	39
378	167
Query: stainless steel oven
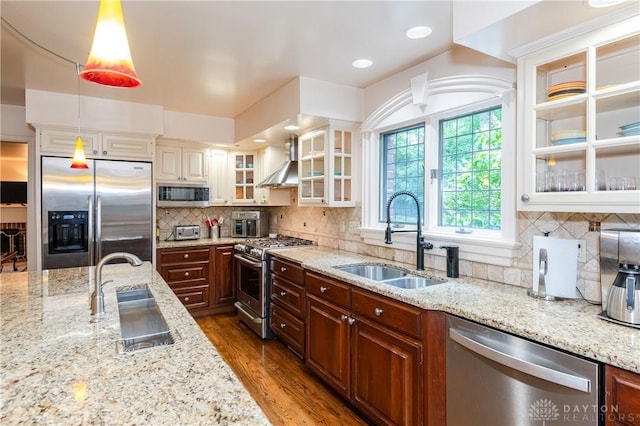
253	309
252	260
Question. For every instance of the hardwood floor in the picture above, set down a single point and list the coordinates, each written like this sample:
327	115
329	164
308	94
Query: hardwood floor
278	380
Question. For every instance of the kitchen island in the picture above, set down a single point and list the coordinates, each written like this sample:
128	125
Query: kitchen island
58	368
569	325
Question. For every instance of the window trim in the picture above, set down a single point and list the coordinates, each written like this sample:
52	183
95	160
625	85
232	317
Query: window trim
504	247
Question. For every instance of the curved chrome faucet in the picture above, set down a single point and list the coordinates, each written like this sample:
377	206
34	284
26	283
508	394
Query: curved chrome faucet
421	244
97	297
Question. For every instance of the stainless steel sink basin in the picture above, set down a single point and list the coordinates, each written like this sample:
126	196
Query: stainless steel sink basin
413	282
142	325
374	272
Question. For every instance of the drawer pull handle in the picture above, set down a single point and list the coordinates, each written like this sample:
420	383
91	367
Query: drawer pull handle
186	299
282	325
378	311
343	317
322	289
186	274
283	293
283	269
186	255
351	321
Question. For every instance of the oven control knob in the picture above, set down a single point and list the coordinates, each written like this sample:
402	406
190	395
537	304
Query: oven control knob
322	289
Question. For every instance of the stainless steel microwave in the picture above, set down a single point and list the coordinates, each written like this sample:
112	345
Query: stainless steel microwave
183	195
249	224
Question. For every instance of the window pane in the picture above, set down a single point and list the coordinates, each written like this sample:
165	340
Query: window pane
471	161
403	170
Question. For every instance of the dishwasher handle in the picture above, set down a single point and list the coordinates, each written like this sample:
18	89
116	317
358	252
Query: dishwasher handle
524	366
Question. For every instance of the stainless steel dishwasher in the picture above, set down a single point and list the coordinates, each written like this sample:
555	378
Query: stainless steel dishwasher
495	378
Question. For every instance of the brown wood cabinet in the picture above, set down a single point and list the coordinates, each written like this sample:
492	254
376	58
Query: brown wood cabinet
287	307
368	347
199	276
622	397
224	282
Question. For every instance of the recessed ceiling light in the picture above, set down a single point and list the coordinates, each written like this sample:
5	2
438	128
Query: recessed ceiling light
362	63
291	127
260	140
603	3
418	32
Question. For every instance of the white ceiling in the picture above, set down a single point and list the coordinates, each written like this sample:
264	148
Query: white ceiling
220	57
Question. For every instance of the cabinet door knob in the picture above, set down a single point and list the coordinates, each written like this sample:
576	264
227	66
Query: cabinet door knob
351	321
95	151
378	311
186	255
283	269
186	274
343	317
104	152
282	325
283	293
322	289
186	299
524	198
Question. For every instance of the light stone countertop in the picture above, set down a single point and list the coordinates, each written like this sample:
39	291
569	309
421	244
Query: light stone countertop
58	368
571	325
199	242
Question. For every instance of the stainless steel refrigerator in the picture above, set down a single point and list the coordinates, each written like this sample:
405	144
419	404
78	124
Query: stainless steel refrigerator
89	213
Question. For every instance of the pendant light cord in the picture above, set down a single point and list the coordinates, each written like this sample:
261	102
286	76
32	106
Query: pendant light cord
21	34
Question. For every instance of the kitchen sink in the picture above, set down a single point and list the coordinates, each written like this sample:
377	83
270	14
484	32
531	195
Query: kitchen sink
374	272
142	325
390	275
412	282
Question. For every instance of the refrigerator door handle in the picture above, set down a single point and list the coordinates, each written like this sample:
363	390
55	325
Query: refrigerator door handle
98	228
90	231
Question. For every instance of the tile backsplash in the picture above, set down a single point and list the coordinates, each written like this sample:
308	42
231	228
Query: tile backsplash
330	227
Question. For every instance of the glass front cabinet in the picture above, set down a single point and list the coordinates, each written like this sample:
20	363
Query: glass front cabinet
326	167
579	123
243	165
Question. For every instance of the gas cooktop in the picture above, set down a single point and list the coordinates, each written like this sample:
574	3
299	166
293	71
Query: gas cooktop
257	247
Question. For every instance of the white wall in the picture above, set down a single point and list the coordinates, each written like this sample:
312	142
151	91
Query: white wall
457	61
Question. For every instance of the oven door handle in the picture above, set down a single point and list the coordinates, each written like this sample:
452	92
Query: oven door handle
247	261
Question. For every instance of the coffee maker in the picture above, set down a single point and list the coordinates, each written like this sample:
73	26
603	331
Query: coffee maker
620	275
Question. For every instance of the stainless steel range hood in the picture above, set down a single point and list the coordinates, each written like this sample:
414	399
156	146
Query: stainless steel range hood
286	176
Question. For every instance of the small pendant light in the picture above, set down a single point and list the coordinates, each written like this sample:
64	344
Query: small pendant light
79	160
110	62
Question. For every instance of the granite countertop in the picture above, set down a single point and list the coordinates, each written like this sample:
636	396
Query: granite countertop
199	242
571	325
58	368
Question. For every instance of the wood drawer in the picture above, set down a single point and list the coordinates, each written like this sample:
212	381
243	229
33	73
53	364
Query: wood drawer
288	328
288	295
186	275
191	254
193	297
288	270
328	289
388	312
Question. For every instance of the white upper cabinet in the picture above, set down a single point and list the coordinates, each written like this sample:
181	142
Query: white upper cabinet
219	178
579	123
181	164
96	145
326	167
243	171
